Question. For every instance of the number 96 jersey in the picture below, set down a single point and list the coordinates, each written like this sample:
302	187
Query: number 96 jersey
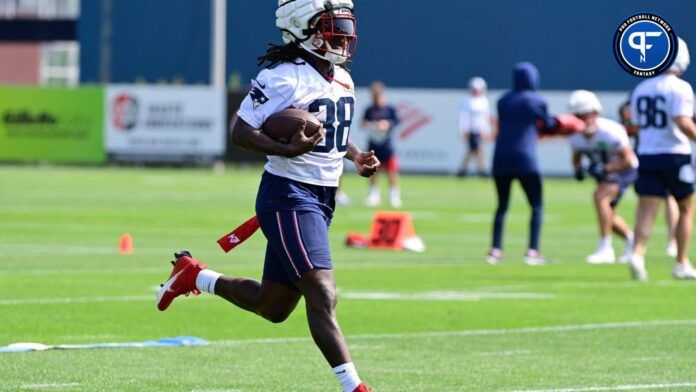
654	103
301	86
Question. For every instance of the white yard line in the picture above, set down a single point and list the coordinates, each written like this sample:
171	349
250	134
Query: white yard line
347	295
51	385
472	294
87	271
636	387
623	284
487	332
166	268
76	300
486	218
31	249
440	296
503	353
217	390
474	332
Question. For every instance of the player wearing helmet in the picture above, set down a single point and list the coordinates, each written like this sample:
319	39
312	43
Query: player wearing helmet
296	197
612	163
663	107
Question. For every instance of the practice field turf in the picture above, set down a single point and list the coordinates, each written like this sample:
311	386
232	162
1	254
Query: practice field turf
442	320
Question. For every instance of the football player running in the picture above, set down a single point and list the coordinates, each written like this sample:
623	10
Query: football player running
612	163
662	107
296	197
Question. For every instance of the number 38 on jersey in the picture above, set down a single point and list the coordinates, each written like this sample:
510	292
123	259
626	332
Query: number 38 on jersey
336	118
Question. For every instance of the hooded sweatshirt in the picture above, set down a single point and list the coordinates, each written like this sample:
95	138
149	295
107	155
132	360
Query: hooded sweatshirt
518	111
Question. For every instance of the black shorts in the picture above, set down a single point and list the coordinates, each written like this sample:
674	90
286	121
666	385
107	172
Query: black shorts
474	141
661	175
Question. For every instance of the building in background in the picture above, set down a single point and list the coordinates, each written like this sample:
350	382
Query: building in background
39	42
169	40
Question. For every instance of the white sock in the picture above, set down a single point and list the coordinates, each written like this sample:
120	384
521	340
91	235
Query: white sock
395	193
205	281
347	376
638	260
605	242
629	237
374	191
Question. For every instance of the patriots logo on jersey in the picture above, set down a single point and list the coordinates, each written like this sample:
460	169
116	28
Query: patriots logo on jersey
258	98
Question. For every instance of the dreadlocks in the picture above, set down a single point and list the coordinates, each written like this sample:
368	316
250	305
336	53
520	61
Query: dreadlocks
276	54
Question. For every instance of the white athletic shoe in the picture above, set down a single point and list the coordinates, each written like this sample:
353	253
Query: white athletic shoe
684	271
396	202
671	250
343	199
493	257
532	257
373	200
637	264
602	256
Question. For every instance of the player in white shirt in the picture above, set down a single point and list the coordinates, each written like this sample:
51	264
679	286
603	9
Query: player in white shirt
304	87
474	125
296	197
612	163
671	206
663	107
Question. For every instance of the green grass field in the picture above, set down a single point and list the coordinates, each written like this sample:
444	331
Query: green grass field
442	320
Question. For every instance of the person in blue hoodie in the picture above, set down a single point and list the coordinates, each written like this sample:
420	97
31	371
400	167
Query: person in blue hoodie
515	157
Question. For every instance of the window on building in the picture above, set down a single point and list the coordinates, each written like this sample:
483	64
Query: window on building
39	9
60	64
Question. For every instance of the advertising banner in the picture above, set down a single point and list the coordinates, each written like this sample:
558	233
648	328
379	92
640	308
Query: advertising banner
52	124
165	123
427	140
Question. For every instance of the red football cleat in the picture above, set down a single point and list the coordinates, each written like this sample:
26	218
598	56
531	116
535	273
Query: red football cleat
362	388
181	281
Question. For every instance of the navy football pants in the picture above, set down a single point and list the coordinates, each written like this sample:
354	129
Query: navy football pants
531	184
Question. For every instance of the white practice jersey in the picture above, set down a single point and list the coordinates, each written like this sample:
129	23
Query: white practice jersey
654	103
475	115
301	86
604	145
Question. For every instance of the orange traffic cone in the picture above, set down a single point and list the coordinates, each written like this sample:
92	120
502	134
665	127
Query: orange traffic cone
125	245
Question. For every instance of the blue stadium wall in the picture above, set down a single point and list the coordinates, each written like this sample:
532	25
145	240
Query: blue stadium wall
434	44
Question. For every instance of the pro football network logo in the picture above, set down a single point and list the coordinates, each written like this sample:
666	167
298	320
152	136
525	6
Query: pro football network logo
645	45
124	112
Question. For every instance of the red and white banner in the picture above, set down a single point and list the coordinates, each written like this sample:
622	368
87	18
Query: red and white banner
428	141
164	123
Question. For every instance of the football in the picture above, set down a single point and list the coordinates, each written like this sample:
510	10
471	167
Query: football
283	125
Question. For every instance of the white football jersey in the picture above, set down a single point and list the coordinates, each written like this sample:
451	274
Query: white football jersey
303	87
654	103
605	144
475	115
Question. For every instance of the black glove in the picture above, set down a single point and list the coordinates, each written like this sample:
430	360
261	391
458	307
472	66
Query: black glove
597	171
580	174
